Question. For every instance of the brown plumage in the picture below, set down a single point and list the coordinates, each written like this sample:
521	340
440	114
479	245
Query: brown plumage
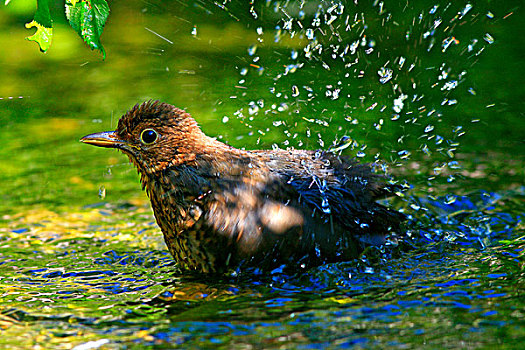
219	206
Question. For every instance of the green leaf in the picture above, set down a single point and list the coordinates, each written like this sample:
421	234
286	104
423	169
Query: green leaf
43	23
87	18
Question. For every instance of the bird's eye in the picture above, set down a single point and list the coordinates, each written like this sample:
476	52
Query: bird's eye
148	136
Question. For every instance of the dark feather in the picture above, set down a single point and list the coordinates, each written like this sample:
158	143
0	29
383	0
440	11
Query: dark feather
219	206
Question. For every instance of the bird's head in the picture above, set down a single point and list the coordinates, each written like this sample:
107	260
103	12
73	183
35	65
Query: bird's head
154	135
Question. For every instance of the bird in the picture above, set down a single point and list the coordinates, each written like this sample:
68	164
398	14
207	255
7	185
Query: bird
220	207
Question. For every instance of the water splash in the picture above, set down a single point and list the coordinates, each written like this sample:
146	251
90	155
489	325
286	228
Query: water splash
333	49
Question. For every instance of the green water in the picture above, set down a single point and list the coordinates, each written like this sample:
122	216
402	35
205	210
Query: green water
82	262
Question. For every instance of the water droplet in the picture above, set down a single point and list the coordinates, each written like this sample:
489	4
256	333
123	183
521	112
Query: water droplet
399	103
288	25
429	128
472	44
194	31
447	42
252	49
415	206
343	144
278	34
449	199
450	85
325	206
102	192
379	125
317	251
404	154
488	38
295	91
467	8
310	33
454	165
401	62
385	74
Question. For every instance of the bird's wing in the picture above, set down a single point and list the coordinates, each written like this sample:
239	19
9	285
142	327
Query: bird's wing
338	188
251	220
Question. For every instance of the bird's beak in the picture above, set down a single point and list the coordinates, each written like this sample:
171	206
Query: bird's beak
106	139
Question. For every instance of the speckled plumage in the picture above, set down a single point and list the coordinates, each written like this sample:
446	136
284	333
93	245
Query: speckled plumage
218	206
